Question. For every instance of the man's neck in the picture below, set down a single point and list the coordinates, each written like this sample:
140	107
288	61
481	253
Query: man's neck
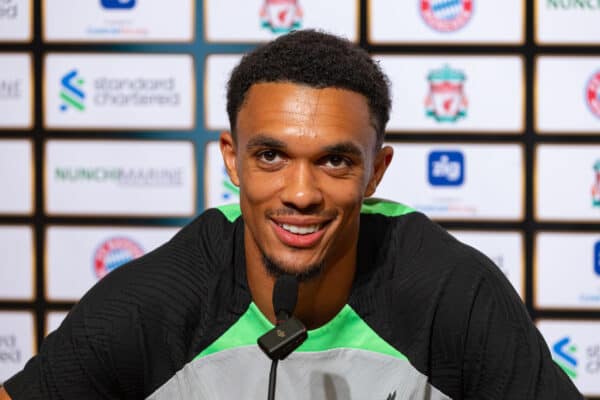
319	299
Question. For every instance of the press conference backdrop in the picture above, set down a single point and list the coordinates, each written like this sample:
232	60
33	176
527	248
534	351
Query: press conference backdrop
110	111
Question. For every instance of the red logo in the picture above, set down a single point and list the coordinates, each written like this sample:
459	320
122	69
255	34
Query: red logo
114	252
592	94
446	15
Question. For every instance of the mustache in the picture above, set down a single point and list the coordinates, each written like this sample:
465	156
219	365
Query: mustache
313	212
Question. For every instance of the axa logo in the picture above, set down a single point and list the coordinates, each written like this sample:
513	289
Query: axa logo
446	100
446	15
564	355
71	91
281	16
118	4
446	168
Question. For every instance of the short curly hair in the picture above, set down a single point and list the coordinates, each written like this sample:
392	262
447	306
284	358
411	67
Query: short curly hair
316	59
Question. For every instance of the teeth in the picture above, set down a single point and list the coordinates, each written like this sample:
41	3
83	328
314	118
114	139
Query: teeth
300	230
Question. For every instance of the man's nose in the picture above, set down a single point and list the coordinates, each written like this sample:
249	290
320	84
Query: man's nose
301	187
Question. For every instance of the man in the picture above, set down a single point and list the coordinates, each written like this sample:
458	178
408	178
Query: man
397	308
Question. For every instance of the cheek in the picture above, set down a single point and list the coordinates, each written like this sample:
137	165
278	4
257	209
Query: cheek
257	187
346	192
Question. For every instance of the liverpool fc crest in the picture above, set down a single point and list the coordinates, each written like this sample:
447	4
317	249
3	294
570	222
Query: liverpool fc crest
596	185
281	16
592	94
446	101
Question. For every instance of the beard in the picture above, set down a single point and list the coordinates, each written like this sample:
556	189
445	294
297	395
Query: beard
276	269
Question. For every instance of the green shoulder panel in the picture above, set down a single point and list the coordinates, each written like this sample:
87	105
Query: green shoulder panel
384	207
345	330
370	206
230	211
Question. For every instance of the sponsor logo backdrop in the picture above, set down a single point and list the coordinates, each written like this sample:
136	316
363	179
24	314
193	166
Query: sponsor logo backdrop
111	110
16	91
99	251
17	342
118	21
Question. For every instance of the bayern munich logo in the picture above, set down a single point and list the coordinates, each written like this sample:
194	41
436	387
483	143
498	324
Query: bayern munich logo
592	94
446	15
114	252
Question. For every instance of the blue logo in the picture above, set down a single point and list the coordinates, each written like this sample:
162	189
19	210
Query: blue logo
597	258
119	4
565	356
446	168
70	92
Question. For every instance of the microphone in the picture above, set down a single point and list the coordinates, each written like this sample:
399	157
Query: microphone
289	333
285	297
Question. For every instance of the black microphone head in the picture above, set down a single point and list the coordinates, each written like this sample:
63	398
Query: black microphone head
285	295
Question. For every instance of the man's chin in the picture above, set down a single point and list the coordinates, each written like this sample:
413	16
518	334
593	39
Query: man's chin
303	273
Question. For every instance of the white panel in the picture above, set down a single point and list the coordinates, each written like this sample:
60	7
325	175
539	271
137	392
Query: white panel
218	188
218	69
77	257
16	176
16	90
505	249
568	95
486	185
112	91
263	20
93	177
575	346
442	21
455	93
567	21
567	270
567	183
118	20
17	343
15	20
16	265
53	320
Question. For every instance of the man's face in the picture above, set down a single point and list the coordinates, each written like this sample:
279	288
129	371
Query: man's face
304	159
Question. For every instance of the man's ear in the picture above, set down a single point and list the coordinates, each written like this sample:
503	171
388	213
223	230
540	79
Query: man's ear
228	151
382	161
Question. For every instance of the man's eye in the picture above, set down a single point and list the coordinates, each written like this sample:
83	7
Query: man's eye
268	156
336	161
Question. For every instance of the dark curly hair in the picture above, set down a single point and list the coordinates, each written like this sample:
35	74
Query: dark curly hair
316	59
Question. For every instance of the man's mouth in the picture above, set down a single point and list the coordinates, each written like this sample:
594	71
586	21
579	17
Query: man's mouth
301	230
298	234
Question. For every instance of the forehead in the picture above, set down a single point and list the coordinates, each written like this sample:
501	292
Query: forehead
293	109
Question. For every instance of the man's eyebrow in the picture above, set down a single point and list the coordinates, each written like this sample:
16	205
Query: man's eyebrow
265	141
344	148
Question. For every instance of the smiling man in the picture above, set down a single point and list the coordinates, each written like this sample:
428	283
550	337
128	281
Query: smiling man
397	308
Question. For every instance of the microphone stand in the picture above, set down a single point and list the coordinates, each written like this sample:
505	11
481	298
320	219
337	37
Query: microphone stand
289	332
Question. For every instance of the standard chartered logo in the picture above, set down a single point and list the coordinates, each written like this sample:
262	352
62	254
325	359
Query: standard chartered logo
564	355
118	92
163	177
8	9
139	92
9	350
71	92
10	89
